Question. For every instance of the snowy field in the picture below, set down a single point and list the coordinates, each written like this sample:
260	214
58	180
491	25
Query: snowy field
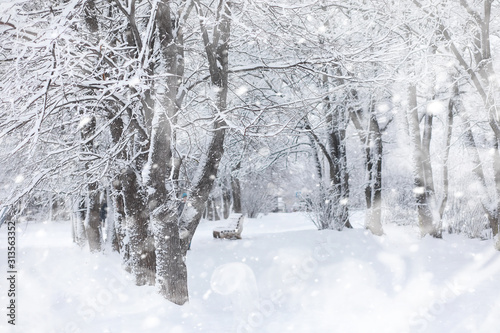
283	276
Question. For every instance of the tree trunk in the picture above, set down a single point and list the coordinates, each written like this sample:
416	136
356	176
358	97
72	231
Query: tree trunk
375	177
111	234
93	218
423	190
81	213
73	222
236	190
226	202
210	209
116	197
339	177
324	205
449	131
171	271
371	139
119	218
205	213
216	210
142	253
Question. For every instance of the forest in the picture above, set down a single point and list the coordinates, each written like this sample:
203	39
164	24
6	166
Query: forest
386	107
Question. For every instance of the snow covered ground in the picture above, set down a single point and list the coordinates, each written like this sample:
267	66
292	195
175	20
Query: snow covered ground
283	276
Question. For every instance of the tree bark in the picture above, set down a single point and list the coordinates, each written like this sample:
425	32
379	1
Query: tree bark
226	202
210	209
92	217
372	140
171	271
119	218
449	131
236	190
216	210
339	177
423	190
141	246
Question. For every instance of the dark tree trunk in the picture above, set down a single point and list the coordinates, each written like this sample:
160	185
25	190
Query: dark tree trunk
116	130
236	190
141	244
375	219
216	210
91	21
226	201
371	139
205	212
73	224
170	265
119	212
171	271
92	218
210	209
334	198
339	177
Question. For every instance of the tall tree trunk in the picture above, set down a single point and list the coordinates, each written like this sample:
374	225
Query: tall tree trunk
205	213
79	218
448	134
322	206
81	213
210	209
119	218
111	234
226	202
171	271
236	190
375	219
92	220
424	191
339	176
92	217
371	139
216	210
73	222
374	168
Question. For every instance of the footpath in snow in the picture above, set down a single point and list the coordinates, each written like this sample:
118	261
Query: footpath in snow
283	276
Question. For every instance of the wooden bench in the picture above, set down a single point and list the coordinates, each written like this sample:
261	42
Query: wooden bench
233	229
